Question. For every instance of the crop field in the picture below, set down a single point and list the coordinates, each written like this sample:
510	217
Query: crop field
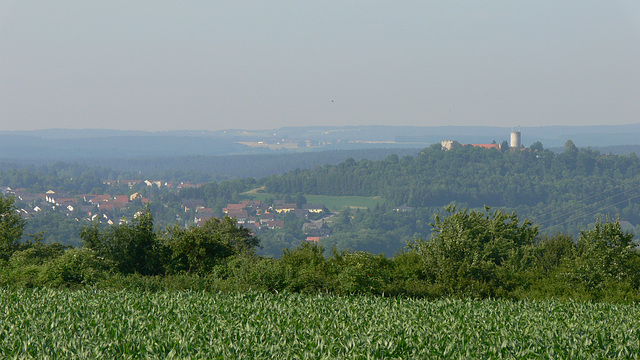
88	324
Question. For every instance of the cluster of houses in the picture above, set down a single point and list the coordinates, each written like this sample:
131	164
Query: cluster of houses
252	214
256	215
157	183
88	206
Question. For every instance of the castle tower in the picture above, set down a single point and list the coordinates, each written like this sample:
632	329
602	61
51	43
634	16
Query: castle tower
516	140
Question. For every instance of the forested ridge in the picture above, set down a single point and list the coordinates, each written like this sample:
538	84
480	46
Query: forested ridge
473	175
537	182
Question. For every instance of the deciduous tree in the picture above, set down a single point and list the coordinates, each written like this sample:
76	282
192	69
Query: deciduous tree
11	226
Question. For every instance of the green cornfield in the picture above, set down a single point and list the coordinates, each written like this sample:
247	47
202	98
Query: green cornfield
97	324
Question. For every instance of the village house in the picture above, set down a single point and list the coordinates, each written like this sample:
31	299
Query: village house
185	185
264	218
299	213
448	145
120	199
202	217
106	206
137	196
205	213
233	207
130	183
26	197
315	229
192	204
285	208
53	197
314	208
240	215
157	183
276	224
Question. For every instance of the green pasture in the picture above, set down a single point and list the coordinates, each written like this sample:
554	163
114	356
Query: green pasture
97	324
337	203
333	203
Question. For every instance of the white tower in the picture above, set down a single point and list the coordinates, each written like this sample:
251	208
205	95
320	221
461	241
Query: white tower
515	139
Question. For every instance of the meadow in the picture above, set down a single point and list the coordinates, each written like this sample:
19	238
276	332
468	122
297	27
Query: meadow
65	324
333	203
337	203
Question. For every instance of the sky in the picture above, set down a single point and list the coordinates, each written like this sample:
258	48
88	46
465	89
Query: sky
213	65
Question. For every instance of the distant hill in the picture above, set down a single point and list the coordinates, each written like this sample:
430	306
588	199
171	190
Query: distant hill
129	146
74	145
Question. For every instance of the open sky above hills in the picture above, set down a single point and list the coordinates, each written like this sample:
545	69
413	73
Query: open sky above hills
211	65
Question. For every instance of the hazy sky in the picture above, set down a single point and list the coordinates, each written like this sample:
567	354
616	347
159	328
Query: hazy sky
210	65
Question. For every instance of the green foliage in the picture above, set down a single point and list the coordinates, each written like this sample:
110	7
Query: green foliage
469	249
305	269
360	272
606	253
377	230
132	246
11	227
76	267
60	176
29	265
56	228
36	254
570	147
199	249
552	252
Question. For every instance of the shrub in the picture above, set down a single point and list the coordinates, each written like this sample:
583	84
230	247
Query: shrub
470	250
360	272
74	268
305	268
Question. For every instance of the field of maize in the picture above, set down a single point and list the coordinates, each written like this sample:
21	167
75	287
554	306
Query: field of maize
95	324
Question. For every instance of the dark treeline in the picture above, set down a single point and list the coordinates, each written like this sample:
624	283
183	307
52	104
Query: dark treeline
61	176
214	168
478	254
194	168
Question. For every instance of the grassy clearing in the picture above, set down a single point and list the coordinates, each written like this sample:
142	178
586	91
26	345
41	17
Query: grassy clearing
333	203
43	323
337	203
257	194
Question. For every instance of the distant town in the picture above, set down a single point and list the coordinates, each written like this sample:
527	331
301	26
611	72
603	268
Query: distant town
113	208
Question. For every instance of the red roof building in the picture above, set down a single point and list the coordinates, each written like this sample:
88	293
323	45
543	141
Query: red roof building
487	146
